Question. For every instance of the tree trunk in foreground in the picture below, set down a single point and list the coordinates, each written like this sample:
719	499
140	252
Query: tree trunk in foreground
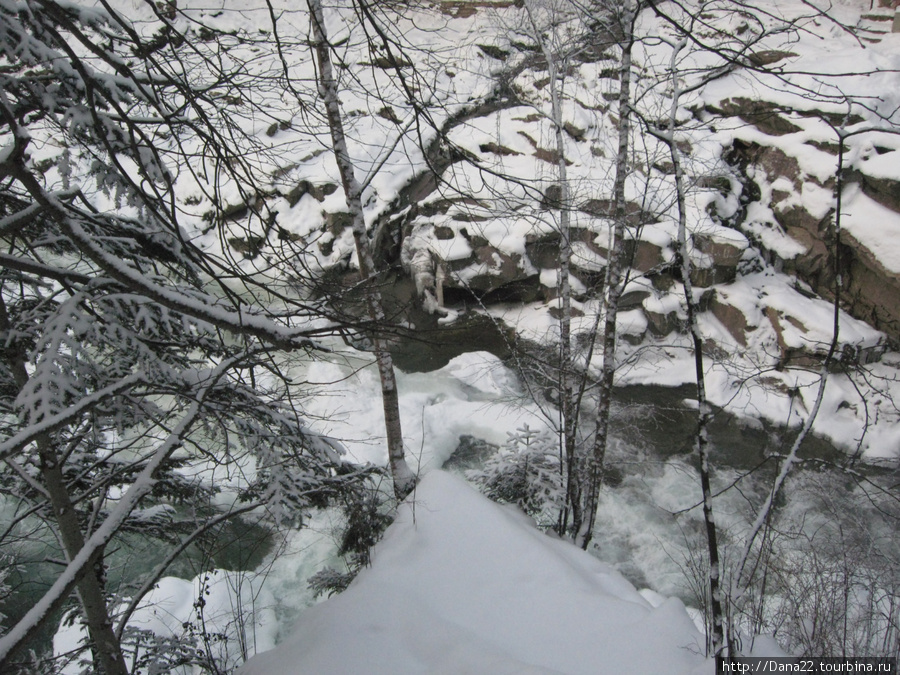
403	477
568	406
716	641
614	270
105	645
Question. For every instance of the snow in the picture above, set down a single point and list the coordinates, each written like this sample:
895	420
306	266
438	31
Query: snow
462	585
471	395
459	584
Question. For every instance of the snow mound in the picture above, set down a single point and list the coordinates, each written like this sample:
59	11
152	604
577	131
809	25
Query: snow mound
462	585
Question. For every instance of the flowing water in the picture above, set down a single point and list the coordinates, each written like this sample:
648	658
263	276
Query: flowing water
237	545
648	522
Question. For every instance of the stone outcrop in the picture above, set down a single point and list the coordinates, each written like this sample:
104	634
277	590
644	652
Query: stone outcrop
872	292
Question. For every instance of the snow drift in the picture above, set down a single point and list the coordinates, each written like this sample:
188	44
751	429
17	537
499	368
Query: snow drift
462	585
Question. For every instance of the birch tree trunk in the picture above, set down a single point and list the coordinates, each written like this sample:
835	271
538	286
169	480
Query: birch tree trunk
568	403
716	639
614	276
403	477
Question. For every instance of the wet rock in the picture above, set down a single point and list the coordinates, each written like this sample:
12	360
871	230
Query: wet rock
444	233
525	290
501	269
662	280
769	56
574	131
705	277
725	256
872	290
494	52
472	452
790	356
544	154
335	223
543	251
645	256
317	192
605	208
662	324
883	190
389	114
722	252
556	313
275	127
632	299
497	149
475	240
249	246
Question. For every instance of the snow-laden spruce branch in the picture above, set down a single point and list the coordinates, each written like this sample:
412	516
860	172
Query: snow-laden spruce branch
39	269
201	307
48	425
80	563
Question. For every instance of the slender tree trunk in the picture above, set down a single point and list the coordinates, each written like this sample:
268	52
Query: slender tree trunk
739	583
403	477
567	403
614	274
91	590
704	417
704	410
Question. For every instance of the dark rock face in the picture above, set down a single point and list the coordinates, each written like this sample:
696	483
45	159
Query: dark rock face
480	269
732	318
662	324
767	117
872	292
883	190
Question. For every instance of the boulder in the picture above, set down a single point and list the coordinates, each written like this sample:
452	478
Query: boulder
872	291
725	256
732	318
335	223
790	356
497	269
646	256
444	233
543	250
662	324
766	116
722	252
885	191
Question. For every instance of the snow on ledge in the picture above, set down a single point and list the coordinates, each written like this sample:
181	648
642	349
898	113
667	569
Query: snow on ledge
462	585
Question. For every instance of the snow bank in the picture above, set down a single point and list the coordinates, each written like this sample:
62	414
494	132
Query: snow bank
462	585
